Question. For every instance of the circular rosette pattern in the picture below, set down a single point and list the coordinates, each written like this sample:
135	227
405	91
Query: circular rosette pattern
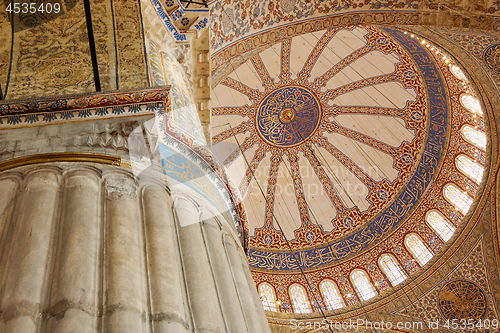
321	132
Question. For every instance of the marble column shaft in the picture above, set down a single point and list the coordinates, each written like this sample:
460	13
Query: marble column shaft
164	265
226	288
247	303
125	301
29	258
75	285
200	283
87	248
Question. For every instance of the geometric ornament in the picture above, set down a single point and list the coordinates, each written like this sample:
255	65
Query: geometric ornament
492	57
288	116
461	299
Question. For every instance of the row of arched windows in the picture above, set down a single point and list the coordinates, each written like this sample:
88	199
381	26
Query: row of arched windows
365	290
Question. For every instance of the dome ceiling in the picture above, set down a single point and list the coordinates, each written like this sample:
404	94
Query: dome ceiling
329	123
344	140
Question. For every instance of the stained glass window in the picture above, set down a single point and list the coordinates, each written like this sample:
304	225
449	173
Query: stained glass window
471	104
444	229
470	168
331	295
267	297
418	249
474	136
458	73
363	285
299	299
458	198
392	270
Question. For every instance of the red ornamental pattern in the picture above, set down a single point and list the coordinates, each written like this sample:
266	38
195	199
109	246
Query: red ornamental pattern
406	73
415	223
82	102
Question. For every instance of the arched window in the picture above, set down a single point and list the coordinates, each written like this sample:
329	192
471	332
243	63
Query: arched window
458	198
474	136
267	296
331	295
440	225
418	249
458	73
363	285
391	269
299	299
471	104
470	168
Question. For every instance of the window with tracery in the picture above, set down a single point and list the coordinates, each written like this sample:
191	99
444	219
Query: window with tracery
331	295
470	168
458	73
471	104
267	296
444	229
418	249
474	136
458	198
363	285
299	299
392	270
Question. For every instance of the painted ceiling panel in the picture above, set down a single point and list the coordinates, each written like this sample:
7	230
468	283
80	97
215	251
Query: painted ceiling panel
370	65
225	148
237	168
240	173
347	41
286	208
342	44
394	93
390	130
387	95
225	122
375	63
348	187
322	209
364	156
222	96
300	51
271	58
254	201
247	72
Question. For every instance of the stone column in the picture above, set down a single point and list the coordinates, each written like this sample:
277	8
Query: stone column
94	256
75	287
167	300
249	309
200	283
255	295
24	287
125	293
10	186
231	307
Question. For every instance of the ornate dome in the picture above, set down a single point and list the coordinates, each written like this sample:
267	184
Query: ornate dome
344	144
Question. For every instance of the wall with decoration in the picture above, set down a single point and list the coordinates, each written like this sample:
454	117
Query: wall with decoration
47	54
173	62
233	21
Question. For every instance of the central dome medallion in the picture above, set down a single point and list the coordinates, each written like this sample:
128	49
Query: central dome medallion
288	116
